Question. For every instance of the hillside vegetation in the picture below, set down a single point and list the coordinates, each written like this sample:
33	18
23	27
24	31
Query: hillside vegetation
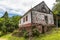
8	24
53	35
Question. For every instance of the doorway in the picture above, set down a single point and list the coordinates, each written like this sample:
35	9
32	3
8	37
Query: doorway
42	29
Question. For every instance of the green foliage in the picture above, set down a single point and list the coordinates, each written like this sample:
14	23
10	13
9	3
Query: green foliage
10	37
53	35
4	29
9	24
26	35
1	33
15	20
57	0
56	10
17	33
35	32
1	22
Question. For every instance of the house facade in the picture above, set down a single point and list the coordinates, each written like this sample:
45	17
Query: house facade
40	16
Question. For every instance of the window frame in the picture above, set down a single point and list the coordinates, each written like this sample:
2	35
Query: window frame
27	18
24	19
46	19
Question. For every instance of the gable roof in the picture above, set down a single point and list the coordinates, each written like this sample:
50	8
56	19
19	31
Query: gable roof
34	7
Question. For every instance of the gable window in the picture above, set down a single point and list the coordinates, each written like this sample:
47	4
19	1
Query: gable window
26	18
23	19
43	9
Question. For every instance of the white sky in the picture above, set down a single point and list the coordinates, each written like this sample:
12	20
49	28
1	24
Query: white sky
21	6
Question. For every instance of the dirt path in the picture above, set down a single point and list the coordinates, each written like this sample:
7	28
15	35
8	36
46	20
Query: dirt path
2	39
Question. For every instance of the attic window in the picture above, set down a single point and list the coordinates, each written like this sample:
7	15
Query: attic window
43	9
26	18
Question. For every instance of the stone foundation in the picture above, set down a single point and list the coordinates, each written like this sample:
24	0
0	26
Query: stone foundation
40	28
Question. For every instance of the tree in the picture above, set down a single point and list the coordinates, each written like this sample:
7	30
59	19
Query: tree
57	0
56	10
5	15
1	22
15	20
9	24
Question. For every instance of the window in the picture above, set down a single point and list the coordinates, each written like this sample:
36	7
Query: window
26	18
46	19
43	9
23	19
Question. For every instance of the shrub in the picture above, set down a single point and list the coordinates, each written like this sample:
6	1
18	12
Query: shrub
35	32
26	34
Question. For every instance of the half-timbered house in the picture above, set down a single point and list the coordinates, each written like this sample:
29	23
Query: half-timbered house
40	16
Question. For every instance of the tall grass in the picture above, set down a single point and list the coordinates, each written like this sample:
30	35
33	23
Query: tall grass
53	35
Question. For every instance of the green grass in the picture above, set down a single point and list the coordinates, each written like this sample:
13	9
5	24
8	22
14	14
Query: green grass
53	35
10	37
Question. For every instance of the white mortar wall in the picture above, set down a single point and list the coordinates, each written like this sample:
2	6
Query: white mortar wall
41	17
29	19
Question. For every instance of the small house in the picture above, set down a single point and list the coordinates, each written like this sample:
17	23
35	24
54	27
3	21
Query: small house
40	16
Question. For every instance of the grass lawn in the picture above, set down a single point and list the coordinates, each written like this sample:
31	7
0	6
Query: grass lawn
54	35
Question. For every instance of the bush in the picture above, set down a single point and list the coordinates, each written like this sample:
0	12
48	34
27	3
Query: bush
26	34
4	29
35	32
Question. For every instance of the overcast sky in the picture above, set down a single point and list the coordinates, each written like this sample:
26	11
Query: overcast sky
19	7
